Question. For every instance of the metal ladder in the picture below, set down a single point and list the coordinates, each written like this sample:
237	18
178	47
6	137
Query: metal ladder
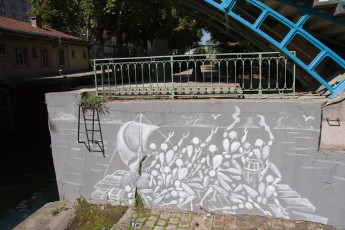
92	126
295	29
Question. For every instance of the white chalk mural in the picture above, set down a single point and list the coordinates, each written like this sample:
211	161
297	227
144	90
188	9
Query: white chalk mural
223	171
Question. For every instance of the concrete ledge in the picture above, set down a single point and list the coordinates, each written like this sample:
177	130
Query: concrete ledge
44	219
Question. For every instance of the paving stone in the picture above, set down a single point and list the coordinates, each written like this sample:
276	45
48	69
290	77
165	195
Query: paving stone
200	223
164	215
161	222
155	212
301	226
218	221
152	218
230	218
277	224
175	214
141	220
146	228
123	226
171	227
253	222
315	226
261	221
242	218
219	217
243	225
134	214
184	224
173	221
288	224
150	223
231	226
327	227
218	224
186	216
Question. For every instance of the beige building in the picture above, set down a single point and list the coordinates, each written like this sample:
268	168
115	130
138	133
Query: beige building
28	50
17	9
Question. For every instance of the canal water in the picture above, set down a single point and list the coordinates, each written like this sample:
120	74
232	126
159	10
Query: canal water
27	176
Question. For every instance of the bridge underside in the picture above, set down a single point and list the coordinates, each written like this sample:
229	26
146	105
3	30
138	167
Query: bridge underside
315	30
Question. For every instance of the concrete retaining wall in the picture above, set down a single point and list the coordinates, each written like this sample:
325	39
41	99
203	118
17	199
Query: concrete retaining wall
333	122
256	157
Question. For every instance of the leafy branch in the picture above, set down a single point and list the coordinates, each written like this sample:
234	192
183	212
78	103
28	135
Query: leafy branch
94	102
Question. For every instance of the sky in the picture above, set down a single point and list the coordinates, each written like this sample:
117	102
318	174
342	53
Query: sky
206	36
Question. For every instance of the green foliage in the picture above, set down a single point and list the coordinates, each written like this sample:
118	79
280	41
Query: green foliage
132	21
200	50
92	101
62	15
93	216
57	211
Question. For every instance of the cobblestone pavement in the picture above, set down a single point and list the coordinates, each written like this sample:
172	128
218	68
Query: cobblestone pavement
169	220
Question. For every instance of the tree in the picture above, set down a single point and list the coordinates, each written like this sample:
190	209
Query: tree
165	21
135	21
60	15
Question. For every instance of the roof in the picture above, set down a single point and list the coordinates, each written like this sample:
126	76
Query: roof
13	25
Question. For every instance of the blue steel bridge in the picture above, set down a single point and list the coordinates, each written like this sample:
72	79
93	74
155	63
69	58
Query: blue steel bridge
300	41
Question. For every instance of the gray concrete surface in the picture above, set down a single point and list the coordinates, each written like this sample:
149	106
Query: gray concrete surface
333	122
224	156
44	219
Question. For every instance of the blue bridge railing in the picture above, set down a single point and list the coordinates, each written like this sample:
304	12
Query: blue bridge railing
295	30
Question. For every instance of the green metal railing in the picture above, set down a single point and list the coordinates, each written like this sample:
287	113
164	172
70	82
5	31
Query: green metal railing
199	75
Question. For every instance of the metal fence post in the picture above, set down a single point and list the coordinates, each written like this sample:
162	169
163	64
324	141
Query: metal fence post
260	74
95	73
172	77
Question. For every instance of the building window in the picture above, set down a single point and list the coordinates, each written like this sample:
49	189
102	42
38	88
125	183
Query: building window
61	57
73	54
2	49
33	52
44	57
21	56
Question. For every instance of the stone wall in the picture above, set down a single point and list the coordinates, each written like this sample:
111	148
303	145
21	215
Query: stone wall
227	156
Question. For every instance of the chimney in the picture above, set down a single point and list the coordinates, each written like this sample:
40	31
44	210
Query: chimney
36	22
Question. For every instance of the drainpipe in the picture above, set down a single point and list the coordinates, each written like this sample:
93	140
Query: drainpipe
68	59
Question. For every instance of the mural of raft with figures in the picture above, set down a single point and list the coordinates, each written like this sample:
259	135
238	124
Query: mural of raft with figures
224	171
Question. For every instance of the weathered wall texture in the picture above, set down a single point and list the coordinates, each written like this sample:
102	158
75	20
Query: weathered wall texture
333	122
218	155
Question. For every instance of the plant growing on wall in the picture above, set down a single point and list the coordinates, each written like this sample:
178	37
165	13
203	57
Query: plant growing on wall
93	102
